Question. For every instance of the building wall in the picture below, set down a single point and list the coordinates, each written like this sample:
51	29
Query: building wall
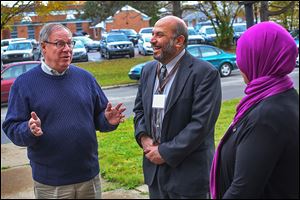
38	22
127	19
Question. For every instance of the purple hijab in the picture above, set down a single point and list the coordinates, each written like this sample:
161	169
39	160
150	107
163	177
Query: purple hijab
265	53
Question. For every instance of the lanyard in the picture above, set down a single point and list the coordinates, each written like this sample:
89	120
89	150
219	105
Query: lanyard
161	86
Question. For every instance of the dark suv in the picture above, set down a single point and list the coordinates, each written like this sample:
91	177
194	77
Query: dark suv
116	44
130	33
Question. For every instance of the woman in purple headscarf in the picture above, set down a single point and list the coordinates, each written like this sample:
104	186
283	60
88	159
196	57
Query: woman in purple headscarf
258	157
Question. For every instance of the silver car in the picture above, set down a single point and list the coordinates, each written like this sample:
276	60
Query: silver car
22	50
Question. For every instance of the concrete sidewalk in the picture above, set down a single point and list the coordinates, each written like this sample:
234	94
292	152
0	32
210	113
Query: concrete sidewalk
16	178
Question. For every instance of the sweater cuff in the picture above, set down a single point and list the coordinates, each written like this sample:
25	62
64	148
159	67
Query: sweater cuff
107	126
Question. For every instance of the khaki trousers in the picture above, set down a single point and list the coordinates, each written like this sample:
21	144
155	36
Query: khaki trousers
86	190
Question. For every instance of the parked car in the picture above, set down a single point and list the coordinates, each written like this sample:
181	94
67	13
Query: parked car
223	61
145	31
194	37
22	50
81	33
144	45
5	43
88	43
135	72
238	30
130	33
116	44
209	34
200	24
79	52
10	73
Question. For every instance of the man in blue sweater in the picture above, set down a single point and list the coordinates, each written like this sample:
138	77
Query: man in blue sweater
54	110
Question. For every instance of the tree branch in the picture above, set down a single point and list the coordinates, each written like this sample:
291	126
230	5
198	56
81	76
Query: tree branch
283	10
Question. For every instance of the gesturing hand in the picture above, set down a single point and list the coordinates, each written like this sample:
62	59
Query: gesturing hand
114	114
34	125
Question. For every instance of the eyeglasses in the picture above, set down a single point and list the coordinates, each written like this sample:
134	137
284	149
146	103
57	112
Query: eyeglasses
62	44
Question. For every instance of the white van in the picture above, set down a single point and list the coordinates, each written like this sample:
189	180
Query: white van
5	43
238	30
209	34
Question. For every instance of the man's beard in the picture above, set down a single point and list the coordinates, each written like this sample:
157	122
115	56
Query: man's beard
166	52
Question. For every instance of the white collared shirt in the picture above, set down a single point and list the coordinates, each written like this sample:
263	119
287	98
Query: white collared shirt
50	71
169	66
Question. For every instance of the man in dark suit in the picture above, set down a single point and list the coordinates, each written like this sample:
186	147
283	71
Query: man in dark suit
177	105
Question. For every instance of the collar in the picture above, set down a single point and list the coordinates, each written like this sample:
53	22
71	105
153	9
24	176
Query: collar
173	62
48	70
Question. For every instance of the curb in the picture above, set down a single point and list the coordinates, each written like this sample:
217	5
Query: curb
119	86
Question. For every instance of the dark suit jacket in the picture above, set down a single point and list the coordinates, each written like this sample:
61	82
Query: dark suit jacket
187	139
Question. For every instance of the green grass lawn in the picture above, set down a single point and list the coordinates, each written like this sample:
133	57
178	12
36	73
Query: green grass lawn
113	72
120	156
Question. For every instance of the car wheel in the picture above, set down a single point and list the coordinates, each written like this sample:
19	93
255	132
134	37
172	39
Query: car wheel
108	56
131	55
225	69
101	53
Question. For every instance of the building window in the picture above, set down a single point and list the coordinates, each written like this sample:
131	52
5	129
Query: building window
14	33
78	27
30	30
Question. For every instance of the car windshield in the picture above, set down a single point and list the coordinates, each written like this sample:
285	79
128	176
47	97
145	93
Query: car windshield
210	31
78	45
192	32
148	30
239	28
147	39
129	32
19	46
116	38
83	39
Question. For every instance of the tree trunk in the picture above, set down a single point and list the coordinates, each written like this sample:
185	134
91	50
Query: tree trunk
249	14
176	8
264	12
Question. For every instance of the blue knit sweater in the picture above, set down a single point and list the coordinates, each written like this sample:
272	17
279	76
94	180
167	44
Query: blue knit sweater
70	108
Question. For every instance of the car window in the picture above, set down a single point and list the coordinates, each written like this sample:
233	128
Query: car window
149	30
30	66
4	43
191	32
116	38
194	51
19	46
210	31
12	72
208	51
78	44
147	39
239	28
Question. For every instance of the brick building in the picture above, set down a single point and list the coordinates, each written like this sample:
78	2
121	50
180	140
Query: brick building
30	25
127	17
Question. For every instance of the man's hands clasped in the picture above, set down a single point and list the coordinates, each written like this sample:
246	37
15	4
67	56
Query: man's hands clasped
151	150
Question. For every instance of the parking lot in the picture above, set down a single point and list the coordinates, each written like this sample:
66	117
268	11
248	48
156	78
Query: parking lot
95	55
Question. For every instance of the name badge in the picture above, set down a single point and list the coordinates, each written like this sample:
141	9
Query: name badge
159	101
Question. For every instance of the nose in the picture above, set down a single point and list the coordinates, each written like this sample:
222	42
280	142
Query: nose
152	40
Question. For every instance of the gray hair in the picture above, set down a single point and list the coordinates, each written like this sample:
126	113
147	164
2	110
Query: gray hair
50	28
